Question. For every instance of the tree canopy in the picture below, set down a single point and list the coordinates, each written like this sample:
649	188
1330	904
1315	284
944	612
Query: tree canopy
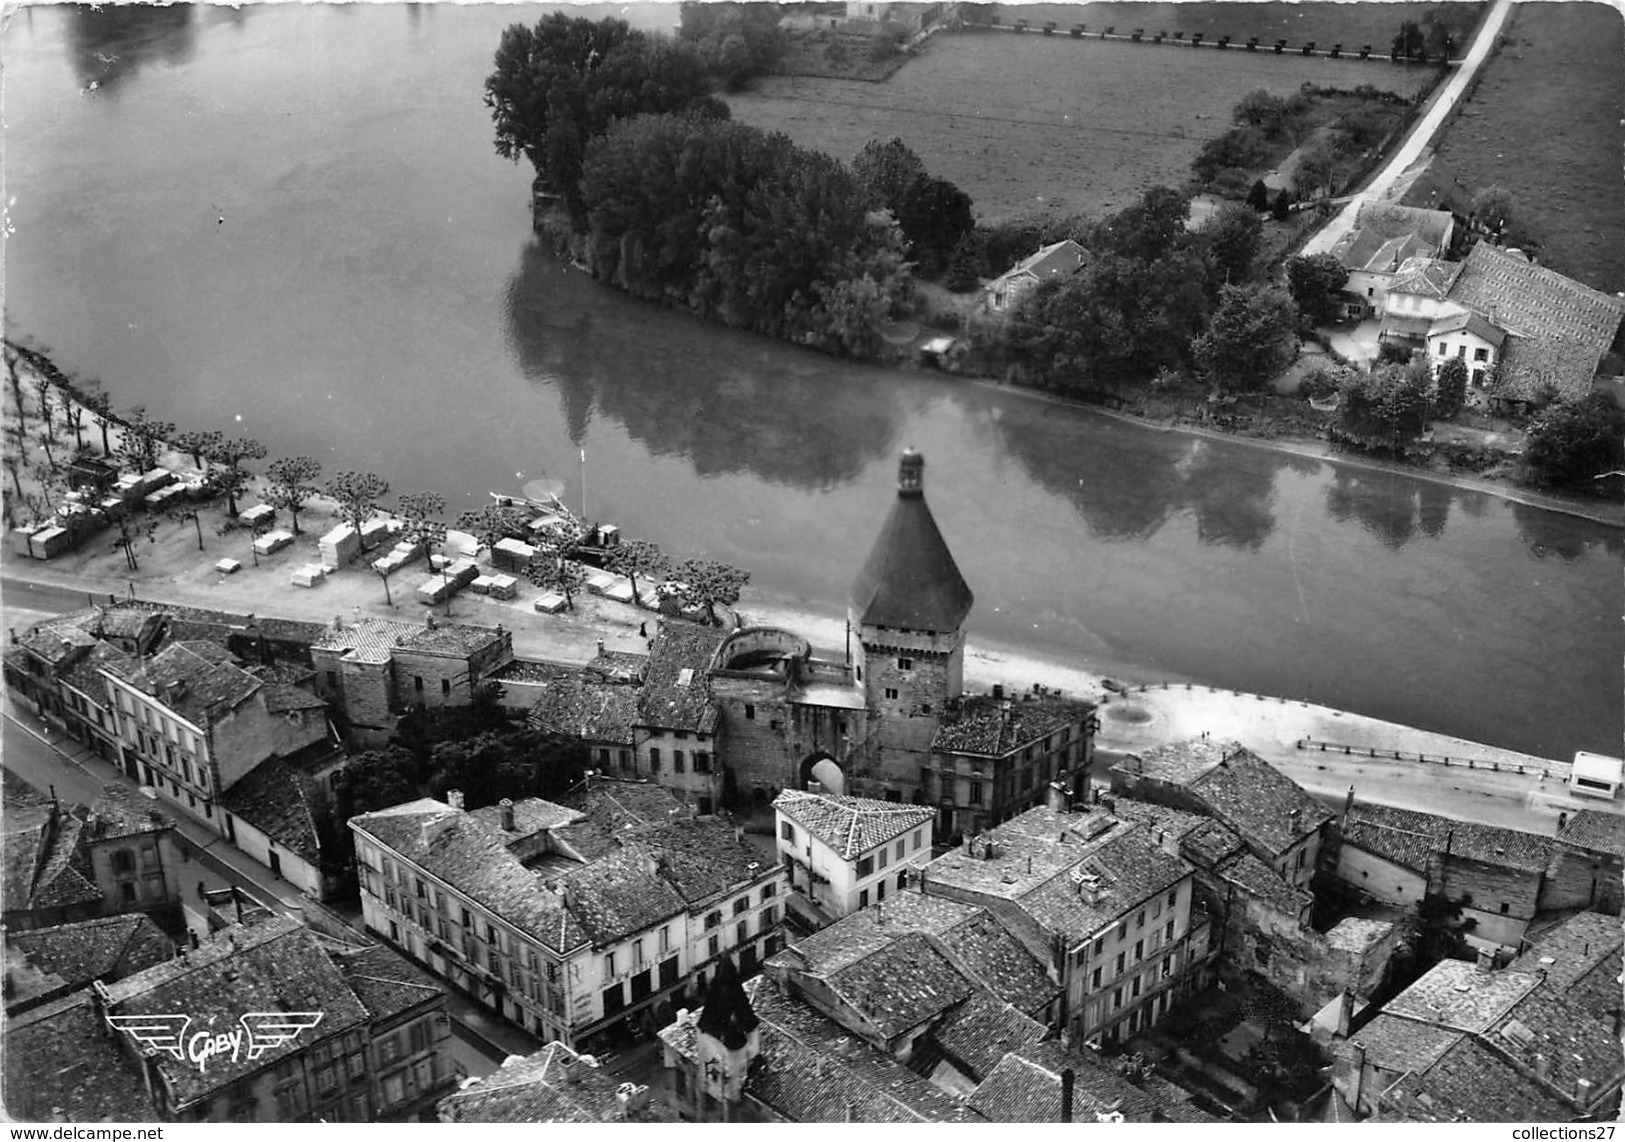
1573	443
1252	337
291	484
1315	283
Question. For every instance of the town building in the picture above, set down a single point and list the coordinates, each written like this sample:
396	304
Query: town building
554	1084
843	852
373	670
45	964
1383	239
1097	898
1469	1043
361	1035
117	855
1502	878
1600	835
1279	823
61	1065
994	757
571	928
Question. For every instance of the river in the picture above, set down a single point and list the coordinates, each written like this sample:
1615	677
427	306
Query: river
288	221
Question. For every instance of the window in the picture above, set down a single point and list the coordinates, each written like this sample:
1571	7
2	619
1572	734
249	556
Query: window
1168	933
127	889
1099	944
665	940
702	762
1299	863
614	999
715	948
882	857
417	684
975	792
123	861
1120	958
741	904
654	759
770	916
891	693
902	880
1173	898
1139	950
1094	979
1139	921
1461	350
1134	987
900	850
609	964
445	686
905	664
917	835
713	919
750	711
863	899
769	891
866	865
677	761
1505	907
1117	1000
1481	354
880	890
741	932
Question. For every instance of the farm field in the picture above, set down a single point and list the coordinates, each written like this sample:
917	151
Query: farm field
1545	123
1028	122
1351	25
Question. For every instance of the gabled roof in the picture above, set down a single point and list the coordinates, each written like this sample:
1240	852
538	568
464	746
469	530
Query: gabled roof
106	948
1459	995
1056	260
197	680
1408	837
280	802
584	706
996	727
1472	323
385	982
1395	1044
616	805
1425	277
273	966
1574	950
981	1031
985	950
910	580
45	866
61	1066
676	690
617	897
902	985
1471	1083
1128	869
1391	220
1535	302
851	825
1026	1086
1533	367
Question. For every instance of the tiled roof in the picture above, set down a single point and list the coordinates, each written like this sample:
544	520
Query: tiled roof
474	860
1471	1083
998	961
585	707
1532	366
1572	950
854	936
280	802
676	692
701	857
1369	250
1545	1029
61	1066
851	825
1457	994
617	804
56	644
811	1069
1407	837
1472	323
85	675
1055	260
1395	1044
1595	830
1128	868
910	580
274	966
369	640
530	815
1026	1087
107	948
1426	277
1268	809
994	727
385	982
1028	850
536	1089
199	681
1535	302
981	1031
1263	883
454	640
619	664
1394	221
902	985
45	866
1356	934
617	896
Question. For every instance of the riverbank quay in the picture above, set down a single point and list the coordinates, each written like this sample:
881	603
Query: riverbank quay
1138	711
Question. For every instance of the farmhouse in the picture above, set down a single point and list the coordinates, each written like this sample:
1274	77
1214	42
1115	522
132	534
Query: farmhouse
1050	263
1383	240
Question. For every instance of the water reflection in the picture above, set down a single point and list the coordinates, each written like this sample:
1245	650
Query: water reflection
1233	502
1390	507
728	403
111	42
1565	537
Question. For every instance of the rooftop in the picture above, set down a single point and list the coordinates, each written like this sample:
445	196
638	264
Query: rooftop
282	803
981	1031
106	948
1393	221
385	982
1026	851
616	804
1471	1083
901	985
584	706
851	825
910	580
676	691
61	1066
1395	1044
1574	950
1026	1086
197	680
1533	301
1407	837
995	727
1425	277
554	1084
1459	995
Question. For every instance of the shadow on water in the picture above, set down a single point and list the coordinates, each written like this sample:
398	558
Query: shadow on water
112	42
1393	508
1549	534
727	402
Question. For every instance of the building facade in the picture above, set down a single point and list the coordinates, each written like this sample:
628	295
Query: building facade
844	852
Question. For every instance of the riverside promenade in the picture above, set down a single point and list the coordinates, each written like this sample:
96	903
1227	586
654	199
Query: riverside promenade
1463	779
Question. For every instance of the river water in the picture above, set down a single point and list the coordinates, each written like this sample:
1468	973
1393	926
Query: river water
288	221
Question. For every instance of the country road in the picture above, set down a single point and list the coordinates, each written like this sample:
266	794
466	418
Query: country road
1421	134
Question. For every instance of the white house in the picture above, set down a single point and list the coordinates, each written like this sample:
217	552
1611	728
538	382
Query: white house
1057	260
1595	775
845	853
1469	337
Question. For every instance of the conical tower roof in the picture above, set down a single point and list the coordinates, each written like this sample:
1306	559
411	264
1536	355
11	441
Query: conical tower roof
727	1014
910	579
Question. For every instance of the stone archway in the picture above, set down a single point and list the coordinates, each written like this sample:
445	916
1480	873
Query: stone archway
824	769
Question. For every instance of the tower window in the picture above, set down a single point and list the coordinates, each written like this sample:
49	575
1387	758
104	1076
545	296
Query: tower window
905	664
750	711
891	693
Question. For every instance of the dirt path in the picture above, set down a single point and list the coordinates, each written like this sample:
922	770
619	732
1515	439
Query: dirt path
1421	136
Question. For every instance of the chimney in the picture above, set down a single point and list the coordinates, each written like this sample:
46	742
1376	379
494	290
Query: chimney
814	786
998	690
739	834
600	647
454	798
1069	1080
1056	799
1543	1068
507	815
1348	801
1486	960
1582	1091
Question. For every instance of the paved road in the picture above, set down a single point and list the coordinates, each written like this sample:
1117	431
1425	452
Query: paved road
1421	135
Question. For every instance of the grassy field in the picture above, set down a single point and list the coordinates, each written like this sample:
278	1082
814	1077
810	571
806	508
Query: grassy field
1545	122
1351	25
1030	122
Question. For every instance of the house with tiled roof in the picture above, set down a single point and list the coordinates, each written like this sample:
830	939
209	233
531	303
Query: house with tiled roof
554	1084
1376	249
1504	876
844	852
1468	1043
61	1066
366	1036
1048	1082
1054	262
1100	900
675	720
1581	960
43	964
1599	835
601	714
994	757
1278	821
569	925
374	670
66	864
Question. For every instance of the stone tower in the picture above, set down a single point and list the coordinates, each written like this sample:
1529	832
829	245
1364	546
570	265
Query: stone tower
905	635
727	1040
